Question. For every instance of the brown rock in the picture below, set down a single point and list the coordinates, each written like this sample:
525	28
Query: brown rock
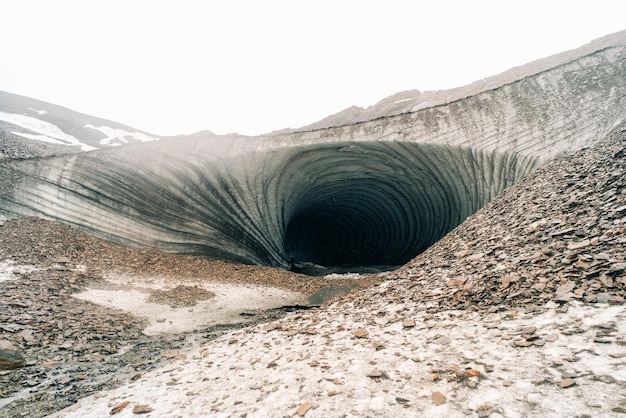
409	323
303	408
119	407
142	409
565	288
378	374
438	398
578	245
361	332
565	383
522	343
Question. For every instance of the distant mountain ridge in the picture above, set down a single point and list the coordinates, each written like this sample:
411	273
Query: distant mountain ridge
414	100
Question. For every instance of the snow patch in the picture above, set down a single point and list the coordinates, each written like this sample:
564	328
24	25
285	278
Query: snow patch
120	135
39	112
131	295
10	271
45	131
346	276
6	270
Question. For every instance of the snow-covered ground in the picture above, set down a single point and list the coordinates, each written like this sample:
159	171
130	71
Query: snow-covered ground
116	136
131	294
44	131
38	111
10	271
391	361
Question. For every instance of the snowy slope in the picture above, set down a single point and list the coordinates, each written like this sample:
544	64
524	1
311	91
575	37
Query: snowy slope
38	120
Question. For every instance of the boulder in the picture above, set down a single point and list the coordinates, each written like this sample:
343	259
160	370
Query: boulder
10	356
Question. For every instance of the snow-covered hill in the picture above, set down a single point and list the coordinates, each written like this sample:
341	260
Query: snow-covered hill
38	120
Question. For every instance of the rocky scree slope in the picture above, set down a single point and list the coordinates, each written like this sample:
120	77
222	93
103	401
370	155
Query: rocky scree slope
70	348
558	235
18	148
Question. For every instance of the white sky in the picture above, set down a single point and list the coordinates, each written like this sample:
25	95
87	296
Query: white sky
180	66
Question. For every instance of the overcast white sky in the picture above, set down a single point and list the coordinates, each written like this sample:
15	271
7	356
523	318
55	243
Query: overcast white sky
180	66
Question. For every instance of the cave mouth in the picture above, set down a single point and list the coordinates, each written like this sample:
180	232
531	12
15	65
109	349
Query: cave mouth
373	206
362	225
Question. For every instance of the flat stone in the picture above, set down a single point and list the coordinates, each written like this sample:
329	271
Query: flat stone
378	374
522	343
304	408
563	289
562	232
409	323
578	245
438	398
443	340
360	333
119	407
142	409
271	326
565	383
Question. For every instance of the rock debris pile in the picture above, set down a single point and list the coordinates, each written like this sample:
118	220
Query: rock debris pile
55	349
14	147
557	236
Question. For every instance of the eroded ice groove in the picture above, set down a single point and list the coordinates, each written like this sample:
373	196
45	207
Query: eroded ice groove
333	204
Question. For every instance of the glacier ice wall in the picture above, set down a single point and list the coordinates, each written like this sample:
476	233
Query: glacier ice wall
372	193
